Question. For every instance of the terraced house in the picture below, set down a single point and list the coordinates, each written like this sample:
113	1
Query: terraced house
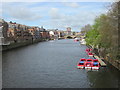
3	32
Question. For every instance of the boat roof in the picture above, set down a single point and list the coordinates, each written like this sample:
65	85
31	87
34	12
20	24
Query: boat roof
95	63
81	62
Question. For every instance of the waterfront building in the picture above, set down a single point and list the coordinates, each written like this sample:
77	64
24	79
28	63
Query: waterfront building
53	33
1	35
56	34
18	32
11	33
31	30
14	32
44	33
69	31
61	34
37	33
3	32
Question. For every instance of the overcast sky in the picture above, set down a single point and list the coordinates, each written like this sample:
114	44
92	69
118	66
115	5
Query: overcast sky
53	15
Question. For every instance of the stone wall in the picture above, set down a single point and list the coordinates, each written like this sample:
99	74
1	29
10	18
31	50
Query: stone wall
20	44
102	55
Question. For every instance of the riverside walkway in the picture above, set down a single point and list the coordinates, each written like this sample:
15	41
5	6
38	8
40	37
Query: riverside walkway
101	62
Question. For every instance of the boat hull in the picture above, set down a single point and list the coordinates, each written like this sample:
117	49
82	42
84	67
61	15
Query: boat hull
95	68
90	55
88	67
80	67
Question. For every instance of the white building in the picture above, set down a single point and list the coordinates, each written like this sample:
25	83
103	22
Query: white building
1	36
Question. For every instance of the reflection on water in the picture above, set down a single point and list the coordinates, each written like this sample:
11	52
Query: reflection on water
104	78
52	64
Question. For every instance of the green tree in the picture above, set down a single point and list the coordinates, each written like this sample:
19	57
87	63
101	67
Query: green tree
92	36
104	33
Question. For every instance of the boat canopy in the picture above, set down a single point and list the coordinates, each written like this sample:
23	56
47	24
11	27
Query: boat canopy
95	63
81	61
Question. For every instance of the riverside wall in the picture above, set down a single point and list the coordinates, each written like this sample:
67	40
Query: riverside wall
21	44
115	63
106	58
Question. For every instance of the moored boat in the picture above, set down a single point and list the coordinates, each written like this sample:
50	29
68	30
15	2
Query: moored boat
76	39
81	63
88	64
95	65
90	54
83	42
88	50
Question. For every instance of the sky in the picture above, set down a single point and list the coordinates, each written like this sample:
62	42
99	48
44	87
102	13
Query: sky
53	15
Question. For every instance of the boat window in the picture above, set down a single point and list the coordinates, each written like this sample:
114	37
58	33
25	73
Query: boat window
81	63
95	61
88	64
95	64
82	60
89	60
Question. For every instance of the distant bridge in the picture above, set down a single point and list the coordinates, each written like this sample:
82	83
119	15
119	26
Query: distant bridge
70	36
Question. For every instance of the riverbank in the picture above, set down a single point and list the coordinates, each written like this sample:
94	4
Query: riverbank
106	58
115	63
21	44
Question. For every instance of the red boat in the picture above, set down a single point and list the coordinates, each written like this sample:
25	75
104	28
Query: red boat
76	40
88	50
81	63
96	64
88	64
90	54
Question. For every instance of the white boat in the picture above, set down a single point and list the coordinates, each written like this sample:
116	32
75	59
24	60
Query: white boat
88	66
83	41
96	64
76	39
95	68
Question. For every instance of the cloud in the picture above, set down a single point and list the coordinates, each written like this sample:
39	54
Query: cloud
0	13
0	10
53	15
75	21
20	12
71	4
61	0
77	17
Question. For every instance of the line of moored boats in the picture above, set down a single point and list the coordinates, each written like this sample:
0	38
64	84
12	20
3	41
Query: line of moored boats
89	63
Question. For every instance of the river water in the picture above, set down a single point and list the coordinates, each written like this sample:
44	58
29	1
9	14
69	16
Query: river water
52	64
